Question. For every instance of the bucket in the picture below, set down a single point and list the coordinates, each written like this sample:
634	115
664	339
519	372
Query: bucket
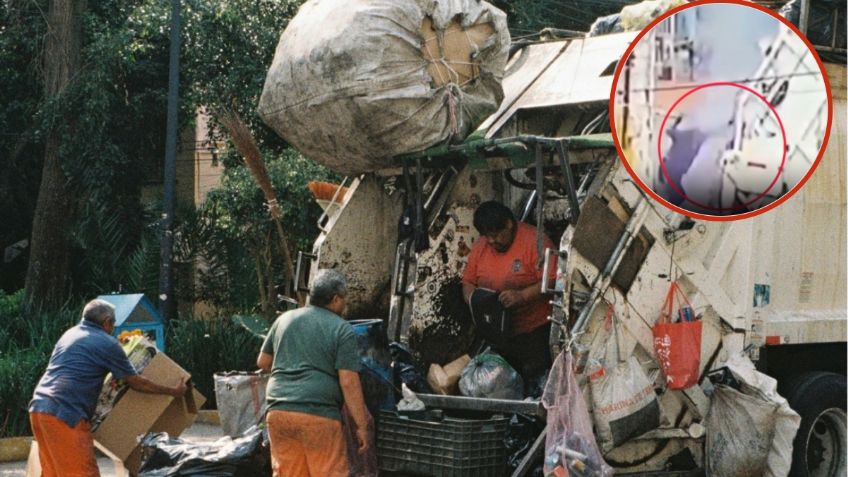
376	374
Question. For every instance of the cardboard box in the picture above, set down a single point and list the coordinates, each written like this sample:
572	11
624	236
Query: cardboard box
444	379
136	414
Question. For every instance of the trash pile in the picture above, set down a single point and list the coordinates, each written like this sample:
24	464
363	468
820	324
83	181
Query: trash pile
356	82
245	456
140	351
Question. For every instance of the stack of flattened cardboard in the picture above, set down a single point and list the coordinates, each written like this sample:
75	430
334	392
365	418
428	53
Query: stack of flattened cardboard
136	414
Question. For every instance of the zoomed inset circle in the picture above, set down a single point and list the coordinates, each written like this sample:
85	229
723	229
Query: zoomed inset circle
720	109
675	186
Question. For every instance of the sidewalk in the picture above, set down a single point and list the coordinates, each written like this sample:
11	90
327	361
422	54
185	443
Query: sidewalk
195	433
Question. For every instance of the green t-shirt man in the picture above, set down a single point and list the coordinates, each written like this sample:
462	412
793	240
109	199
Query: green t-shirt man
309	345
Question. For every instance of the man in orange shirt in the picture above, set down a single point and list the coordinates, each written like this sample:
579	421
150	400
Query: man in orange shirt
505	259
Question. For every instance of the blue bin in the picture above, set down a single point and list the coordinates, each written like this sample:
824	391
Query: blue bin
376	375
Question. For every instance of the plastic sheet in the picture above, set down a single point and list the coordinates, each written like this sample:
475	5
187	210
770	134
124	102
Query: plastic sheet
246	456
241	400
750	427
356	82
570	443
488	375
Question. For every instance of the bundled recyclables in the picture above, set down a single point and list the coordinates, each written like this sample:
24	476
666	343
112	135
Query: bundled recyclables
356	82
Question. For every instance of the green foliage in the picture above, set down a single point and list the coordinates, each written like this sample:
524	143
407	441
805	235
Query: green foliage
526	17
25	347
228	47
207	346
233	232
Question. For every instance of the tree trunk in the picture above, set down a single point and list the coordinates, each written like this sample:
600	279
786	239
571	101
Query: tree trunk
46	280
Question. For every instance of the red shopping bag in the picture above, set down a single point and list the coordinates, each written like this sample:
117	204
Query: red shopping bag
678	344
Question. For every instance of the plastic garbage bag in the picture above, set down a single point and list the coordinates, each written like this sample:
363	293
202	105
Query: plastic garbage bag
410	401
488	375
245	456
407	371
356	82
750	429
570	443
359	465
241	400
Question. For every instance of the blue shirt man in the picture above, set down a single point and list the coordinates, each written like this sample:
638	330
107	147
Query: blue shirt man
66	395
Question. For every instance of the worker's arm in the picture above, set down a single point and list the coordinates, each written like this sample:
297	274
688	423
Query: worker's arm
264	361
513	298
467	290
352	392
144	385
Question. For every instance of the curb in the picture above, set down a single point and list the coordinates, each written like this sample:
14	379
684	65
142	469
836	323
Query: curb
14	449
208	416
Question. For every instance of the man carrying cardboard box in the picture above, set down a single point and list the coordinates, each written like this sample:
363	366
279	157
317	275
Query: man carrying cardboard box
312	355
66	396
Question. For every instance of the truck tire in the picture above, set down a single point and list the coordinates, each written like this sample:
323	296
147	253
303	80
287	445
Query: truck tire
819	447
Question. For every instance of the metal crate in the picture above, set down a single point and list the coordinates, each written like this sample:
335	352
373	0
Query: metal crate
446	448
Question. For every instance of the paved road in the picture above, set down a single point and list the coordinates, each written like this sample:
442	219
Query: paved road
196	433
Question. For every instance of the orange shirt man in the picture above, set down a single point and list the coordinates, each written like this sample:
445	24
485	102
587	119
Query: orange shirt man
506	259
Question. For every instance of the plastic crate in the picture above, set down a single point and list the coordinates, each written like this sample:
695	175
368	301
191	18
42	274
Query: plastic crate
447	448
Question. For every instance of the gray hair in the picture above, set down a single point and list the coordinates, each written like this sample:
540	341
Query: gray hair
98	311
327	284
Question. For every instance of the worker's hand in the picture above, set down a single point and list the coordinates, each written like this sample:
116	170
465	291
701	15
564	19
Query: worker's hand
362	437
511	298
180	389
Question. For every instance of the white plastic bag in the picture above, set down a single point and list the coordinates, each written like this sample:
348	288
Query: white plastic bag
241	400
570	443
750	430
488	375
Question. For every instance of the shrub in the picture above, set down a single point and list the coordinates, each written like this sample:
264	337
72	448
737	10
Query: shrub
207	346
25	347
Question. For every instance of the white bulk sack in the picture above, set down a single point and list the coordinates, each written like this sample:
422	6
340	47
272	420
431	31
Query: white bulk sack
355	82
749	431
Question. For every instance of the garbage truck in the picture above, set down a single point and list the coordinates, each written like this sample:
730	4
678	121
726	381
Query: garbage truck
771	287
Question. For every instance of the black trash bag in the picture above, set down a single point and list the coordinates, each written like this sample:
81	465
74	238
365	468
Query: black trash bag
521	432
246	456
407	371
606	25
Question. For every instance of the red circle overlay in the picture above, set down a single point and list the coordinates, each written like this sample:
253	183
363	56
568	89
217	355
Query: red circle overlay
648	190
677	188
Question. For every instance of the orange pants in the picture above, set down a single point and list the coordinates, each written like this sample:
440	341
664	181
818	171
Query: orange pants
304	445
63	451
